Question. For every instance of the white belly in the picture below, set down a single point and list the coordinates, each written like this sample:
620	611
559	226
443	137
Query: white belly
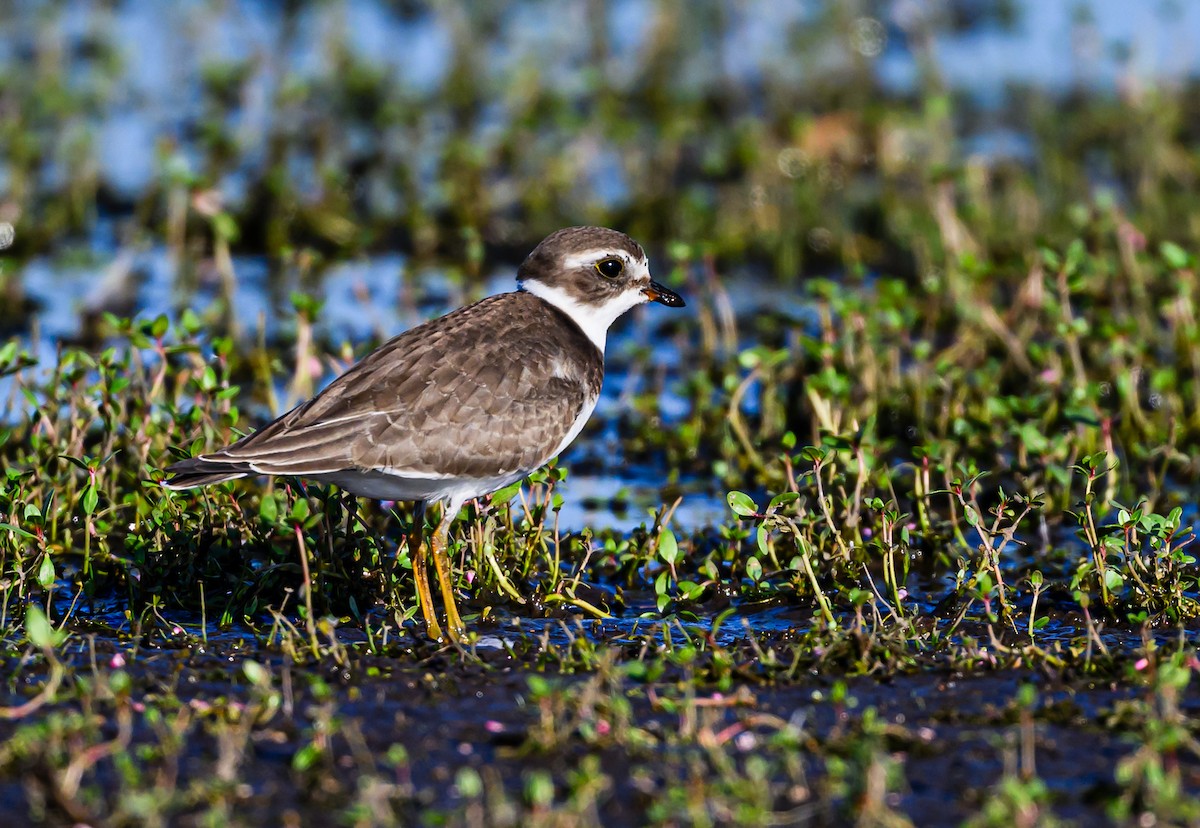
381	485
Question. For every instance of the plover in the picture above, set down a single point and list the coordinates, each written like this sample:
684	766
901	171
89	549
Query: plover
462	405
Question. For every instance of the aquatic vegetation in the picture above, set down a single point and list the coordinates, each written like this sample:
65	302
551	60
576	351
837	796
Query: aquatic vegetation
894	527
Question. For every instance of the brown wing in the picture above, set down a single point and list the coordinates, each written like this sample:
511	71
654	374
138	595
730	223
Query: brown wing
483	390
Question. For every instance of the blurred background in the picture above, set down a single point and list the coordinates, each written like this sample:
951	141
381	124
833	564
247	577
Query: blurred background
798	136
333	172
929	423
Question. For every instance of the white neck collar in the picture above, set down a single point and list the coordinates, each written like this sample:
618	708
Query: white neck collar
593	320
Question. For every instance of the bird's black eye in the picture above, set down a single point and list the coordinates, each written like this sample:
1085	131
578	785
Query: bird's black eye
610	268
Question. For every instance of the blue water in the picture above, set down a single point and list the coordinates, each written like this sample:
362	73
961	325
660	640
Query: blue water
165	47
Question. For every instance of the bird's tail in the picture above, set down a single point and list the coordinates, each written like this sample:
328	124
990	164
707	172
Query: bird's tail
203	471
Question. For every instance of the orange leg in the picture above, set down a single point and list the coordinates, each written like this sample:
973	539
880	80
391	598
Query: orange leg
419	552
454	624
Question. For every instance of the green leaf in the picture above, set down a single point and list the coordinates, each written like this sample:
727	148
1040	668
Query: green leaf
268	509
506	494
668	548
257	674
812	454
1174	255
38	629
90	498
120	683
983	582
16	530
661	583
684	655
74	461
468	783
783	499
539	686
754	569
190	321
741	504
225	227
306	757
45	575
1113	580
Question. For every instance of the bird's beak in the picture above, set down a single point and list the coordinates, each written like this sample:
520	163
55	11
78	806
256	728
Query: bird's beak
657	293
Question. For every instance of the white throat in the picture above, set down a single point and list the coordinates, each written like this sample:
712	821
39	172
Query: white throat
594	320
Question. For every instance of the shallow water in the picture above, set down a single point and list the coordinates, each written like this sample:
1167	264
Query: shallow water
1056	46
948	735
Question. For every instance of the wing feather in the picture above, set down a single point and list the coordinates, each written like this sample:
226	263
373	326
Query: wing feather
469	393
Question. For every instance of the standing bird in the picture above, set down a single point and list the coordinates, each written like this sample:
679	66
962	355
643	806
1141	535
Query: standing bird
462	405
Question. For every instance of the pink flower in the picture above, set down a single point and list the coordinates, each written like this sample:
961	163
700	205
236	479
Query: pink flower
493	726
117	661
